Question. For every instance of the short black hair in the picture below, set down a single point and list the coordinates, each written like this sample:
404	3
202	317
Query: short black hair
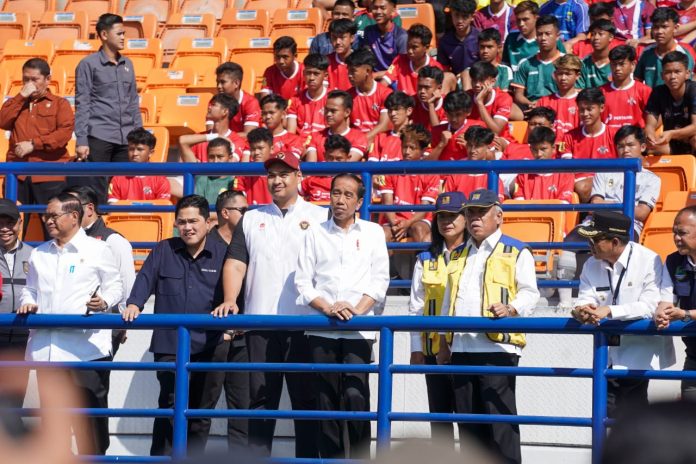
316	61
490	35
603	25
193	201
85	193
281	43
592	96
107	21
142	136
541	134
601	9
224	197
231	68
630	130
362	57
547	20
281	102
346	99
342	26
663	14
418	133
260	134
542	112
465	7
69	203
399	99
527	5
622	52
220	142
431	72
226	101
456	101
477	136
355	177
419	31
337	142
675	57
482	70
349	3
39	64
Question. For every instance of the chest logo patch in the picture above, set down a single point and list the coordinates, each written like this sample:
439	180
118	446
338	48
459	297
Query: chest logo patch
304	225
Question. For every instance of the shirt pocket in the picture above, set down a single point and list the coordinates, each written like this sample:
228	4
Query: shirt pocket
45	118
170	282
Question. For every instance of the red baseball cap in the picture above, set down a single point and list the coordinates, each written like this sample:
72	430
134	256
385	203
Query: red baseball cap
287	159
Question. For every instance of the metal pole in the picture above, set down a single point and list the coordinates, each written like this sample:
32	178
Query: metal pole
384	388
599	394
11	187
367	200
493	180
189	183
181	392
629	197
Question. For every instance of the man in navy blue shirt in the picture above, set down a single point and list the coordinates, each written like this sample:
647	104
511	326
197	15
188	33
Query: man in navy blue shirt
184	273
385	39
458	48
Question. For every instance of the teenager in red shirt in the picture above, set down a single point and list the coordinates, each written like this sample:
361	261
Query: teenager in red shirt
284	76
410	190
448	141
429	111
387	145
342	34
597	11
318	188
255	188
492	105
339	105
541	116
229	81
626	97
564	102
306	110
369	114
273	113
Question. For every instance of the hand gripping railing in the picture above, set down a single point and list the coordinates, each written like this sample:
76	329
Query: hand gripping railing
385	368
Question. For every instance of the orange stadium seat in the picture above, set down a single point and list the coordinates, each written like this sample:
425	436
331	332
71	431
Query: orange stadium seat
254	56
244	24
16	52
304	4
180	26
290	22
676	200
143	26
270	5
34	8
69	54
676	173
60	25
4	82
518	130
165	82
162	146
93	9
206	83
201	55
184	113
657	233
417	13
146	54
14	26
214	7
148	107
160	8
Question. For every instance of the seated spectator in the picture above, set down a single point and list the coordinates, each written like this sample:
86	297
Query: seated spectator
448	138
306	110
339	105
595	66
541	116
229	81
498	16
141	145
387	145
563	102
323	43
664	24
457	49
284	76
342	33
410	190
492	105
591	140
428	110
599	10
479	145
626	97
544	186
490	48
317	189
673	105
633	19
260	149
209	187
534	76
369	114
273	113
521	44
363	17
384	38
573	19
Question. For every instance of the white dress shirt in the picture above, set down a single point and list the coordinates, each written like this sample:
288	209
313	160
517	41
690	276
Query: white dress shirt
61	281
123	256
637	298
343	265
468	301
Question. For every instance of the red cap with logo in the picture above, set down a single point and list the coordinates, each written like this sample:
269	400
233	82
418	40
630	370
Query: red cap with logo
287	159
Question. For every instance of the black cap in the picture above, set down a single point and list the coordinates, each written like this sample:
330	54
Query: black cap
450	202
482	198
9	208
606	222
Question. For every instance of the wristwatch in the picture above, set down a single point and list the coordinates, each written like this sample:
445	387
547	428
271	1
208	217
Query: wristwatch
687	316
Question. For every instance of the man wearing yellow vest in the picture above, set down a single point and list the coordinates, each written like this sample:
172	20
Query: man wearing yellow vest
495	278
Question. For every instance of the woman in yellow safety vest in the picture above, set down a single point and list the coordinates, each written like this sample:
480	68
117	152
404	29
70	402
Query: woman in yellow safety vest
428	289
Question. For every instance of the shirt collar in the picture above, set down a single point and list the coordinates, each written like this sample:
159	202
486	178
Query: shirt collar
14	248
179	246
501	13
623	258
601	131
370	93
105	59
334	228
298	203
75	243
489	242
630	84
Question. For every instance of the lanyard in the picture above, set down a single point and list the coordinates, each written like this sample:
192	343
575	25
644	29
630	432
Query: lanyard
615	294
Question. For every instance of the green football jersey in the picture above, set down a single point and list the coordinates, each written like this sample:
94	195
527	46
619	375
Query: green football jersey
536	77
649	67
592	75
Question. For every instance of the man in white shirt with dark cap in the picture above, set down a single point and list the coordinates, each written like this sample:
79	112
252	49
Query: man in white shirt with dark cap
342	271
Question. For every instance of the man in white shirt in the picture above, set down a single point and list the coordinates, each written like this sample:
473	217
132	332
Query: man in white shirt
343	270
73	274
264	249
496	278
622	281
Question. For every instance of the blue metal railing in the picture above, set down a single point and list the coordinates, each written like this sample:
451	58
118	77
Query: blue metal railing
385	368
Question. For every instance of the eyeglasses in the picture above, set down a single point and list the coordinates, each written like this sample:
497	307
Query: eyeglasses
595	240
241	210
51	217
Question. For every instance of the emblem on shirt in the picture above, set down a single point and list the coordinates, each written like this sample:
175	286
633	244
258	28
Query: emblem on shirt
561	146
603	150
262	226
280	155
304	225
375	107
25	267
610	183
679	273
631	101
147	190
572	110
433	265
553	188
48	105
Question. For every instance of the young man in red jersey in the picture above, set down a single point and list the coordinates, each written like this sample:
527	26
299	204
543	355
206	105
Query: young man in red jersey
339	105
428	111
387	145
497	15
591	140
306	110
626	97
541	116
318	188
273	113
448	141
255	188
479	145
418	189
369	114
492	105
544	186
229	81
342	33
563	102
284	76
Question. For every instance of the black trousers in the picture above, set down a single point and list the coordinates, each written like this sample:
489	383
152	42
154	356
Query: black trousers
626	395
101	151
15	345
440	399
265	389
237	395
488	394
204	391
348	391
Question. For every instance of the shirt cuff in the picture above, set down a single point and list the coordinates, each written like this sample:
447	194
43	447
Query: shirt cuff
82	141
307	296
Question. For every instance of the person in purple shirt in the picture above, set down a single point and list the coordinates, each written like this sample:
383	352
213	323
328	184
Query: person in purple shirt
458	48
385	39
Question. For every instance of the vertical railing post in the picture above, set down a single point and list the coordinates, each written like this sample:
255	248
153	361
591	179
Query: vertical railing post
493	180
384	388
367	201
11	187
599	394
181	393
629	196
189	183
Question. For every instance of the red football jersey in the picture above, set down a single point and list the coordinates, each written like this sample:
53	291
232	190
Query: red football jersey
517	151
316	188
338	74
285	141
498	106
255	188
566	109
625	106
249	113
308	112
686	16
357	139
386	147
274	81
584	47
421	114
412	190
239	146
552	186
467	183
139	188
367	107
579	144
401	71
453	150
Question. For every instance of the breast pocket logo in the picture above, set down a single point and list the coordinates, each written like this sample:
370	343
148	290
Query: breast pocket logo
304	225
